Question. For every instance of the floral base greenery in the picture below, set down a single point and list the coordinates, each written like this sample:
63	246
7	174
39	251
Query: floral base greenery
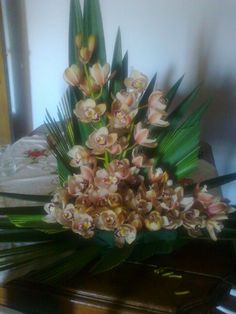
123	157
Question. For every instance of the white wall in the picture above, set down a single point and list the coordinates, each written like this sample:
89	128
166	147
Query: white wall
171	37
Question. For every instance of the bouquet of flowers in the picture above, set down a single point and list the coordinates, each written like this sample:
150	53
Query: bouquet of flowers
123	158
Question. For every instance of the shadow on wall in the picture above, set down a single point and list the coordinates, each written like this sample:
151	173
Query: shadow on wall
18	67
218	125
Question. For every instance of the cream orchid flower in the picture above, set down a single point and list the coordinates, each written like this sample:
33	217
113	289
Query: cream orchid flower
100	73
125	233
141	136
137	81
107	220
156	111
214	225
87	110
85	53
127	100
80	156
100	140
73	75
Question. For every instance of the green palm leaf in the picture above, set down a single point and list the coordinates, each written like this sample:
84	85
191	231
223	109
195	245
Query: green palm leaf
35	222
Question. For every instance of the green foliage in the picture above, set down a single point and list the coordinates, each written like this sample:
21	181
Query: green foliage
75	27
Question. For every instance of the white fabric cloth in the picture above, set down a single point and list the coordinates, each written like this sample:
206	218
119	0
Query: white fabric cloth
35	171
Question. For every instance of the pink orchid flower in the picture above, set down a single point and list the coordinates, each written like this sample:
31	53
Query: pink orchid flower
120	168
141	136
100	140
87	110
83	224
100	73
106	181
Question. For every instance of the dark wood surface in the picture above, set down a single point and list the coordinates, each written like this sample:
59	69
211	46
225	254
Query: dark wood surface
206	268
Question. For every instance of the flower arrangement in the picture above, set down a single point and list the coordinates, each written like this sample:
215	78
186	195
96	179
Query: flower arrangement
123	158
115	186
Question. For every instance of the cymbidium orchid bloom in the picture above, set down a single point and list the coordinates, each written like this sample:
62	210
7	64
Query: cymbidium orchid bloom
153	221
114	200
106	181
119	146
141	136
158	175
156	109
100	140
73	75
85	52
83	224
50	209
137	81
120	168
125	233
136	220
139	159
78	183
121	116
155	117
214	225
107	220
87	110
157	101
127	100
80	156
100	73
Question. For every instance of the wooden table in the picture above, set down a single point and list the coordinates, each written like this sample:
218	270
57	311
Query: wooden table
206	268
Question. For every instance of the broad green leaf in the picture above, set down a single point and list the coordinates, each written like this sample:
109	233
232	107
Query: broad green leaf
125	63
21	210
172	92
75	27
175	118
117	81
144	100
112	258
68	267
19	235
92	25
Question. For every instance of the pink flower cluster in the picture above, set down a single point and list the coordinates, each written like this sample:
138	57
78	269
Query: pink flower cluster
120	200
